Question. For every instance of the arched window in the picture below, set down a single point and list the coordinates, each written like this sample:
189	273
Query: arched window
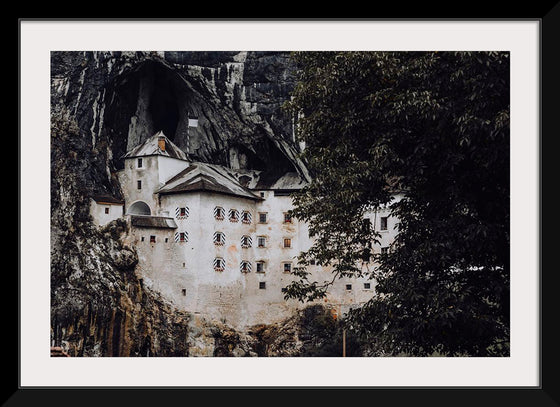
219	264
246	217
139	208
245	266
246	241
219	213
233	215
219	238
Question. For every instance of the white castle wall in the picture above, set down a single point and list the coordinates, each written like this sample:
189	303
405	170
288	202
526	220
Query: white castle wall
183	271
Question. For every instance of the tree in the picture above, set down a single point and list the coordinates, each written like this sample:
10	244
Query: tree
434	126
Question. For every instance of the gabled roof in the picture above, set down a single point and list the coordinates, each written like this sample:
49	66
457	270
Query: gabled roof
151	147
207	177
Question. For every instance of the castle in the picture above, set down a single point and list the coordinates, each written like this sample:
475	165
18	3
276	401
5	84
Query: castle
220	242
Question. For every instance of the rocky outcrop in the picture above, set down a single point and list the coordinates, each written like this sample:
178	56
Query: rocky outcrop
234	98
102	104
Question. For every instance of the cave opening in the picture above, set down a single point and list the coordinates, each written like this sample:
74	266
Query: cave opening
163	106
142	102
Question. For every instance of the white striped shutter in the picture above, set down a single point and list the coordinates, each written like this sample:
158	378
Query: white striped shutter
246	241
223	238
245	267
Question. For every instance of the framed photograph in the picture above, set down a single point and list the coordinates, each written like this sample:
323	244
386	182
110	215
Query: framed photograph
349	204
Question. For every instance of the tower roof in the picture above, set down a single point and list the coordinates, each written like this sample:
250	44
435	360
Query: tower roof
158	144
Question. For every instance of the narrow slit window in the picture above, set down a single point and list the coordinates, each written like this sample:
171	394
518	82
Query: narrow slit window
140	163
139	184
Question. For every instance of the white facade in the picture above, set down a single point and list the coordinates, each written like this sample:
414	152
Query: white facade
228	269
104	211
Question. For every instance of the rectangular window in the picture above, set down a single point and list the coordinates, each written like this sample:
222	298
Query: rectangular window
139	163
383	221
263	217
261	241
260	266
152	239
262	194
367	286
262	285
366	225
142	239
348	287
184	290
107	211
139	184
287	267
287	217
287	242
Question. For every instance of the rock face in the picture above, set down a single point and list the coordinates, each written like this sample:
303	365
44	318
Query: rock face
121	98
103	103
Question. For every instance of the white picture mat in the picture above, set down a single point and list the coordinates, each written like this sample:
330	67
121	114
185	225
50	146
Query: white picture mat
39	38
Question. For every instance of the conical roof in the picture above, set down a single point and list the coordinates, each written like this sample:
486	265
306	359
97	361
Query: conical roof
152	146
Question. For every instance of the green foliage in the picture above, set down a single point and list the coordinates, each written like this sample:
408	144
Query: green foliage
435	126
322	335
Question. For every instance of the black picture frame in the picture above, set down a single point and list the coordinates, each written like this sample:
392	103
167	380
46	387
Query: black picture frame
547	394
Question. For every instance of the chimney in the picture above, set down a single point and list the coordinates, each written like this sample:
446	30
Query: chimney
161	143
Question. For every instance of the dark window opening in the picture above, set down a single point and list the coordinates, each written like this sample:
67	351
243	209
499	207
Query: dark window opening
152	239
139	163
139	184
262	285
287	217
383	221
184	291
106	211
348	287
367	286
